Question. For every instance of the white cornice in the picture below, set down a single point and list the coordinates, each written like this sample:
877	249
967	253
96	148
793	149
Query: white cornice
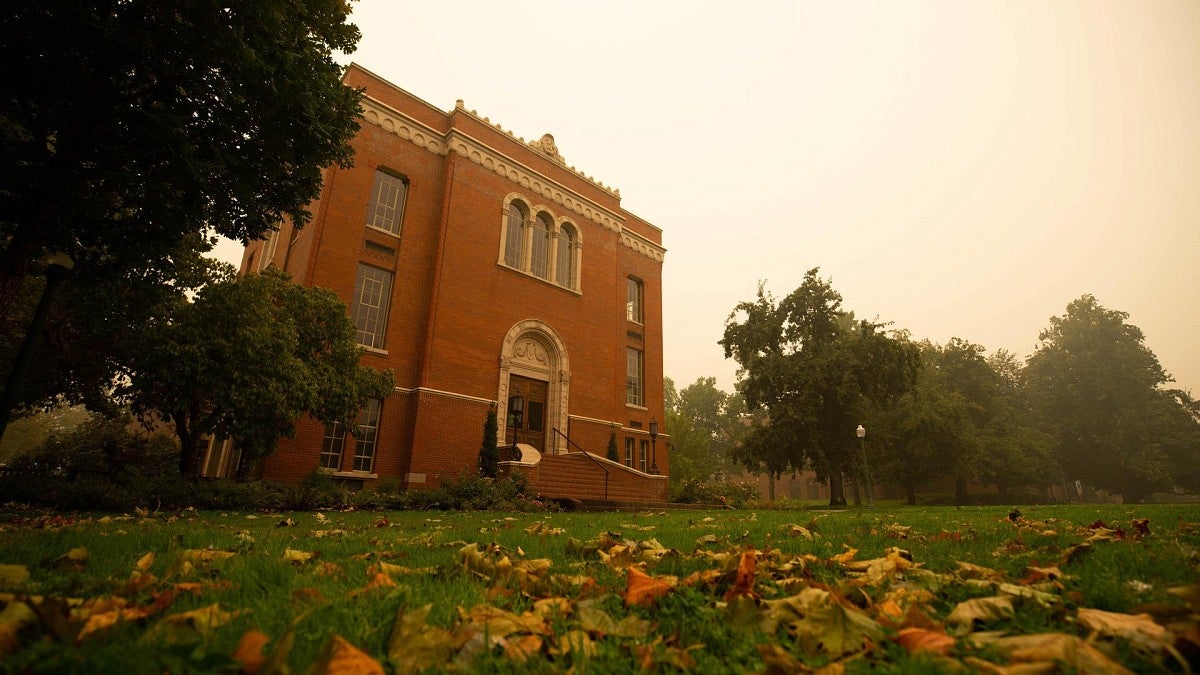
643	245
393	121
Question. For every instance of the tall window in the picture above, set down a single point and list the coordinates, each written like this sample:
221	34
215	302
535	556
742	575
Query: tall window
368	435
268	250
634	393
566	256
539	258
629	452
514	241
372	293
633	299
332	445
386	208
643	452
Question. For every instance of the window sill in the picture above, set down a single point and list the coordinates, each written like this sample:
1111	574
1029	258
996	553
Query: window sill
374	350
636	406
380	230
352	474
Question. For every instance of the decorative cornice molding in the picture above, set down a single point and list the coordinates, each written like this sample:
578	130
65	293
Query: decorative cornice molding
540	185
395	122
643	245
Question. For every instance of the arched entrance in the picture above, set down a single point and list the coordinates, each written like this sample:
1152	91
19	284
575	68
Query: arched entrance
535	377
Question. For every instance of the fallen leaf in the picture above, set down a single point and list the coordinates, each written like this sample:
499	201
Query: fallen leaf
1139	629
925	640
193	625
820	623
968	570
575	642
642	589
414	646
76	559
299	557
522	647
342	658
743	581
13	575
598	622
14	617
1058	648
249	651
984	610
799	531
144	563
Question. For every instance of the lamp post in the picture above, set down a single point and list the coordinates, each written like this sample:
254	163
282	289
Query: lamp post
653	444
861	432
57	271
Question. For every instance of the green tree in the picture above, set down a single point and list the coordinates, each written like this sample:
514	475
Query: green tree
248	358
489	454
1102	393
814	370
127	126
612	445
705	425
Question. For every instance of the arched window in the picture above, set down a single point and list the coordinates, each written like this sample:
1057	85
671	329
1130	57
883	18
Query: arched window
566	256
539	259
514	243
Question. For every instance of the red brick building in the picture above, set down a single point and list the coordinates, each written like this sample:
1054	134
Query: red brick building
482	269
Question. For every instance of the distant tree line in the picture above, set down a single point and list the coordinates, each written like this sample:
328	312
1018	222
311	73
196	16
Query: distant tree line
1091	404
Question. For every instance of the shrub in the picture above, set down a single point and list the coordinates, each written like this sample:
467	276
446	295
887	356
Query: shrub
728	493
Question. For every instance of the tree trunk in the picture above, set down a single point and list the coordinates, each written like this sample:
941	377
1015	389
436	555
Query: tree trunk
14	266
187	445
855	493
837	493
960	490
910	492
771	485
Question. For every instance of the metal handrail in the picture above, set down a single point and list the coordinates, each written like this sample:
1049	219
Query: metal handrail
588	455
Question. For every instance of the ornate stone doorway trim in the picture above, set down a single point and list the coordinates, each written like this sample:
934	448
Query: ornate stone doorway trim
533	349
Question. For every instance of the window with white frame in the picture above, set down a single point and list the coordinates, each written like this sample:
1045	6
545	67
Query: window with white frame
268	250
539	254
368	435
332	445
565	259
372	294
629	452
514	235
386	208
643	453
634	365
633	299
532	243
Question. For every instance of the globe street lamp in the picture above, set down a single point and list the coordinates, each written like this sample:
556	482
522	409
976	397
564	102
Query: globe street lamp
861	432
653	444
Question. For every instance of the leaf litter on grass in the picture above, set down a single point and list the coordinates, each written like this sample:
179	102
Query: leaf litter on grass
619	598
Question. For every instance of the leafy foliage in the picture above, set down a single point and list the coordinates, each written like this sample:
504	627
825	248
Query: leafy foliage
812	368
126	127
705	425
1102	394
248	358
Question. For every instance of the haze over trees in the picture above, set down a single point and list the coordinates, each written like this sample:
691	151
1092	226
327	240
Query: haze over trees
131	134
1091	404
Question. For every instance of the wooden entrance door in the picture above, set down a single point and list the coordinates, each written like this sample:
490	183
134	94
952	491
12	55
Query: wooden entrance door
526	419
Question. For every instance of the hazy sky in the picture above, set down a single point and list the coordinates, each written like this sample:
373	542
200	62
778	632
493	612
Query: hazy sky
959	169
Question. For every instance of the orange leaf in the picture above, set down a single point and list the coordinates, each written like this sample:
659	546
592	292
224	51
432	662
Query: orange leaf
922	640
343	658
743	580
642	589
521	648
249	651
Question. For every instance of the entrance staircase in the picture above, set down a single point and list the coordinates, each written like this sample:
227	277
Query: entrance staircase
583	478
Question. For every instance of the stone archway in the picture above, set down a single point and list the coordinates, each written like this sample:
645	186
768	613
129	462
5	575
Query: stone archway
533	349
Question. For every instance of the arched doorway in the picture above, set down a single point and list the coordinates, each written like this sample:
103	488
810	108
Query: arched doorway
535	377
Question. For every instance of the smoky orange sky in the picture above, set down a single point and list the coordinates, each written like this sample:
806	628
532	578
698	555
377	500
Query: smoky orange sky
962	169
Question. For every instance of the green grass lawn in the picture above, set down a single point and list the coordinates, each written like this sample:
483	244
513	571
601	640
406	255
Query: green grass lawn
710	591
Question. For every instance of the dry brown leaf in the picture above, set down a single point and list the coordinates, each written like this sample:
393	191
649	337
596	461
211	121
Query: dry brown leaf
299	557
968	570
193	625
575	642
846	556
500	623
13	575
414	645
642	589
342	658
924	640
984	610
1059	648
820	623
521	648
143	564
799	531
598	622
249	651
743	580
1139	629
14	617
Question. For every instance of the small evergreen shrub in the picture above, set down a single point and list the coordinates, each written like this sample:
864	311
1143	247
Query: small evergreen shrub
726	493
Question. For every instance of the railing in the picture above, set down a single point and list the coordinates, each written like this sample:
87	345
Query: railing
588	455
